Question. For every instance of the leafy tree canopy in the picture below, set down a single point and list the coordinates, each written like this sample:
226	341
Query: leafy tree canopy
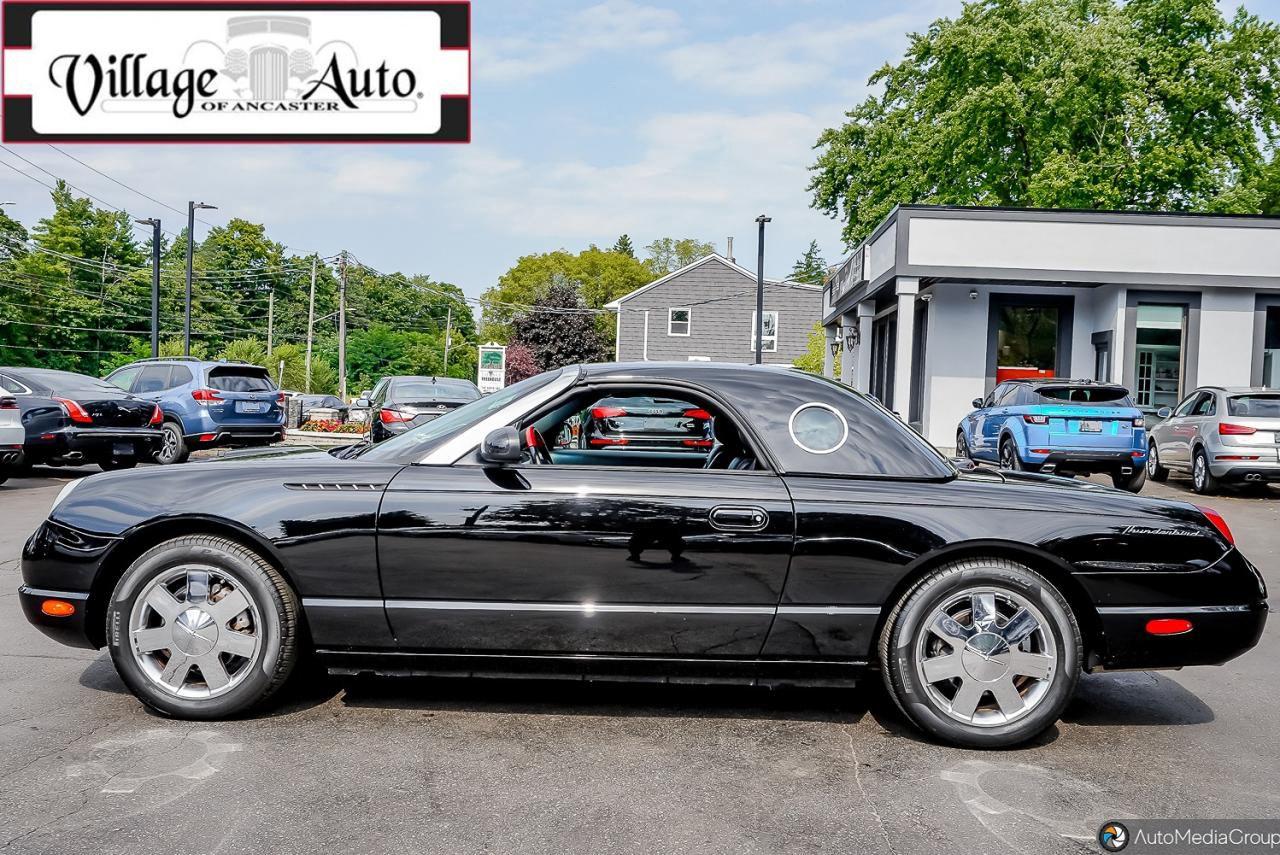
623	245
1149	104
561	336
596	275
668	254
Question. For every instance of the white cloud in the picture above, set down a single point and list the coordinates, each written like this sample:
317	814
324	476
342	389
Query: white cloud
614	25
800	55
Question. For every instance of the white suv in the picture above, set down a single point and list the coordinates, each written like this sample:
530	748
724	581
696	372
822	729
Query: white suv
1219	435
12	435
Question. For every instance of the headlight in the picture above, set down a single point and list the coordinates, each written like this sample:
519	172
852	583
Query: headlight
63	493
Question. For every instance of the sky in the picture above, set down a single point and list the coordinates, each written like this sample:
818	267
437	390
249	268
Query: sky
589	119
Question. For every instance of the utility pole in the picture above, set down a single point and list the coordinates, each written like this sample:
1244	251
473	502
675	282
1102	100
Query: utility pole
311	322
448	323
342	325
191	248
762	219
271	319
155	282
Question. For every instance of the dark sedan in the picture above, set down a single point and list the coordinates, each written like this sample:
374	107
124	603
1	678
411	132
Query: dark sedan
661	424
72	420
822	539
400	404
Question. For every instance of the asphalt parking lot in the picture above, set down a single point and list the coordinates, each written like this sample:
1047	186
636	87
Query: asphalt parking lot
490	766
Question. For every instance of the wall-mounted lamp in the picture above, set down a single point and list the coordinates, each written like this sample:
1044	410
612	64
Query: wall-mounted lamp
852	337
973	294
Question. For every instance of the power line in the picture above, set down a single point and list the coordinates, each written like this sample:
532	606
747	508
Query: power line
125	186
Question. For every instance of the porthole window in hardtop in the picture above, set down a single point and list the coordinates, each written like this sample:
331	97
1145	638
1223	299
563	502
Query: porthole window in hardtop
818	428
878	443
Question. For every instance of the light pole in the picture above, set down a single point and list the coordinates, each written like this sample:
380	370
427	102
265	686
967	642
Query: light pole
762	219
155	282
191	247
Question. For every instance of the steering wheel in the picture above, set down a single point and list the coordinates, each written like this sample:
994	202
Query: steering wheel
539	453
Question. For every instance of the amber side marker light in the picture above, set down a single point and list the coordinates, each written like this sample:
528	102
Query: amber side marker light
1168	626
58	608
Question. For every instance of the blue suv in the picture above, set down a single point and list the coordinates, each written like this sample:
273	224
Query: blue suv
1067	427
206	403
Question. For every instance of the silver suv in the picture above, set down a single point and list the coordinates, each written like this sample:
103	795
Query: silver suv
1218	435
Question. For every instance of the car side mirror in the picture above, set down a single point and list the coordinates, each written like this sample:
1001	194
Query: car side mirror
501	446
1163	413
362	402
977	403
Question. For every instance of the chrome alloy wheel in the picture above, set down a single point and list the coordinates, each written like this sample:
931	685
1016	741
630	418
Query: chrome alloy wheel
986	657
194	632
169	445
1198	471
1153	460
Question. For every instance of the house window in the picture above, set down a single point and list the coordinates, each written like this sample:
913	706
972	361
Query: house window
768	334
678	321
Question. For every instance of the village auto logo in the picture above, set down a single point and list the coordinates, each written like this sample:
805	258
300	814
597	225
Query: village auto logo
242	70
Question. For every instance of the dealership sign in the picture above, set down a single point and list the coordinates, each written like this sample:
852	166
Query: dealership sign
237	70
492	371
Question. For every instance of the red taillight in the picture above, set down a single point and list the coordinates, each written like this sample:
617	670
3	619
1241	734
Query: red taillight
607	412
157	416
280	398
1168	626
698	413
75	411
8	403
206	437
605	440
1228	429
1218	522
698	443
1140	421
204	396
387	416
1036	420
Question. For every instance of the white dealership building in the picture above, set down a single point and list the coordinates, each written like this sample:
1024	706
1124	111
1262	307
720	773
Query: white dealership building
939	304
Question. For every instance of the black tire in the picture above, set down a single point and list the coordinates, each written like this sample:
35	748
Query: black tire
1009	456
173	445
899	641
277	604
1133	482
1202	480
113	464
962	447
1155	471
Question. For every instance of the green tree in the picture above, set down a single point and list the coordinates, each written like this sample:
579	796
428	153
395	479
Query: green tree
1149	104
815	351
668	254
597	275
810	267
623	245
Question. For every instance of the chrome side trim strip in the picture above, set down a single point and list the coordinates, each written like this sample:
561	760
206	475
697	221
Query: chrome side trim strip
57	595
580	608
1167	610
587	608
829	610
340	603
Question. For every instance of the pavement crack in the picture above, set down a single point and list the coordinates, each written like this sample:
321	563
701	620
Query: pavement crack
866	797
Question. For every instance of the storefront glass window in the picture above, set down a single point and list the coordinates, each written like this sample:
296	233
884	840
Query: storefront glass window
1271	350
1158	352
1026	342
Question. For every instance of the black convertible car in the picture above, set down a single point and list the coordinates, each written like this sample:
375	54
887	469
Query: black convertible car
820	538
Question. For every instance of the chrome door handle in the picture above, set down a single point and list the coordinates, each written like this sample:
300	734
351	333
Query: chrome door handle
738	518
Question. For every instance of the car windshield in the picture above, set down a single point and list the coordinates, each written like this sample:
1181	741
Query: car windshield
432	390
412	444
1088	396
1254	406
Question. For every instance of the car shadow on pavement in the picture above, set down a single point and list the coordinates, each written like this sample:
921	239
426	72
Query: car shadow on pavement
1134	698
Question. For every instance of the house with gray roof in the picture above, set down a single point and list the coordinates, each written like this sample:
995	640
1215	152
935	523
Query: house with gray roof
707	311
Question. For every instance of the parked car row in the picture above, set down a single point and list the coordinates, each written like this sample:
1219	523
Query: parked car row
154	409
399	404
1217	435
